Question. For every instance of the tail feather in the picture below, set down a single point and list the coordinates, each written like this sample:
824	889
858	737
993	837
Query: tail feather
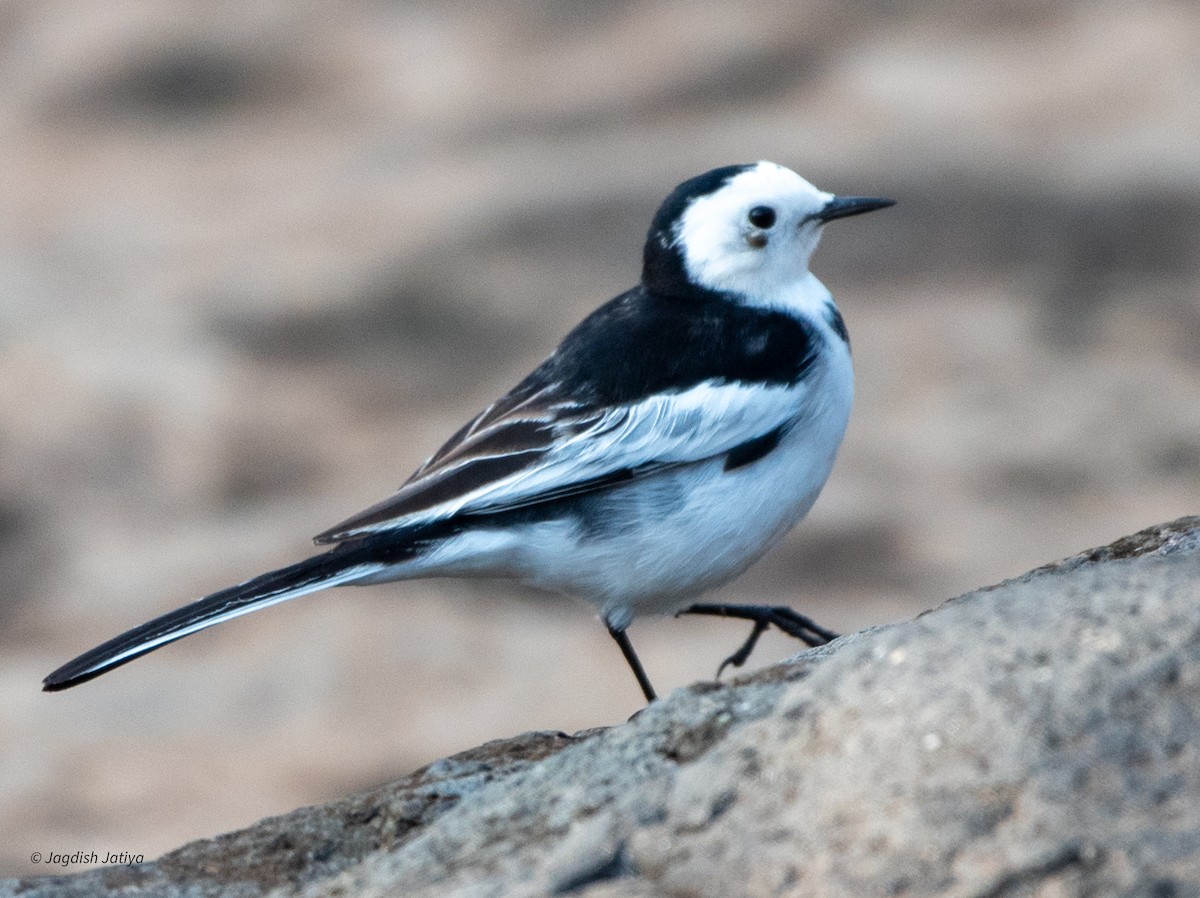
319	572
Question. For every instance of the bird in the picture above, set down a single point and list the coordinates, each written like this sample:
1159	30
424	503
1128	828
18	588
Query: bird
671	438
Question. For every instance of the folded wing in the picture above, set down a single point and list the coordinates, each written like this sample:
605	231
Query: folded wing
536	445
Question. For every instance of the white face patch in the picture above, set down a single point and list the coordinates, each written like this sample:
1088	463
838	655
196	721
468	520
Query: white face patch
723	250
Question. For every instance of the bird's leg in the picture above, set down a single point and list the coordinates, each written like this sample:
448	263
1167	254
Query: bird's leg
635	665
738	658
790	621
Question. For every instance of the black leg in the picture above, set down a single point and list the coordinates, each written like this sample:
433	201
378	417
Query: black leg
738	658
791	622
634	664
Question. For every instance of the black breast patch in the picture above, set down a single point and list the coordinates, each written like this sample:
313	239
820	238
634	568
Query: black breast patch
643	343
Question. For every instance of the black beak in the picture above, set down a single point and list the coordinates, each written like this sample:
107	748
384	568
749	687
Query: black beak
842	206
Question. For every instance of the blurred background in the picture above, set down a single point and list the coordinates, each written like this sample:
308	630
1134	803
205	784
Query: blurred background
258	258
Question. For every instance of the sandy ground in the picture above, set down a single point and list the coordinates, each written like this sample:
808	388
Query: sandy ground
258	259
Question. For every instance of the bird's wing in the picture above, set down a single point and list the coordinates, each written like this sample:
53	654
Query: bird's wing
536	445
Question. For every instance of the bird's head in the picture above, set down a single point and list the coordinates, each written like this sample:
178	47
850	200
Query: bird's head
743	229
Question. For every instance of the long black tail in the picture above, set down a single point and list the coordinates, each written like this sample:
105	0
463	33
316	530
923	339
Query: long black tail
319	572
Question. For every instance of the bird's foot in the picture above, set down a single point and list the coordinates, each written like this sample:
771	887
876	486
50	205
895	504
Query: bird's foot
786	619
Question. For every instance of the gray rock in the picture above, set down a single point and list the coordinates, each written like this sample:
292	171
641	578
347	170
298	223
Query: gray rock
1039	737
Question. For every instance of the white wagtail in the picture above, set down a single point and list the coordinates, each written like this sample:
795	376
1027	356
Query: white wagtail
674	435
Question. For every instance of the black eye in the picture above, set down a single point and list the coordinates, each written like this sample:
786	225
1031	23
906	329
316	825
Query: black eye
762	217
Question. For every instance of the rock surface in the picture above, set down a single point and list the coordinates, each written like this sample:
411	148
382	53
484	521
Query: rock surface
1038	737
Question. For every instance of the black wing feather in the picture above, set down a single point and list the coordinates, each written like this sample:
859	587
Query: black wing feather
634	347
